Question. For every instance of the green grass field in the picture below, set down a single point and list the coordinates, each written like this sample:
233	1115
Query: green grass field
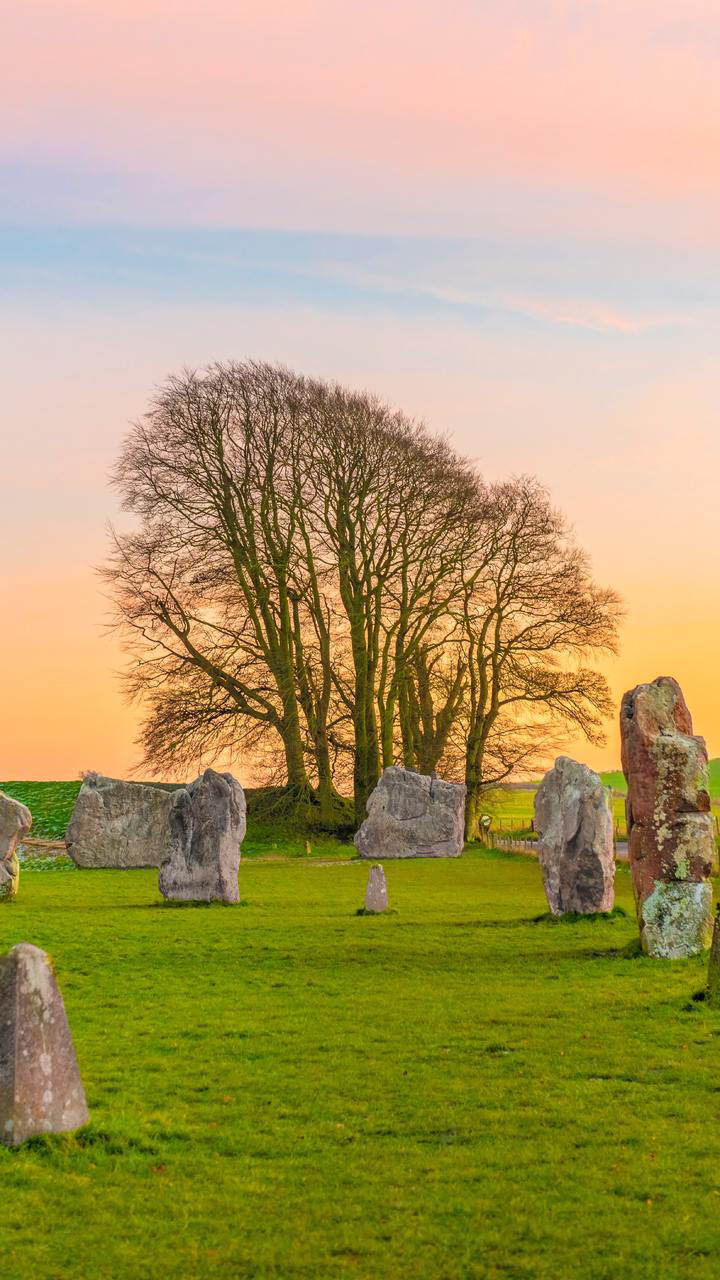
285	1089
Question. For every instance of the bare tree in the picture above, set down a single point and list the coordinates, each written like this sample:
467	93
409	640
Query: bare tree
218	583
531	619
312	570
399	512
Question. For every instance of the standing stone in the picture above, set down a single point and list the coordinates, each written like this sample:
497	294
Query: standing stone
119	824
670	837
207	826
40	1086
573	818
15	822
376	895
410	815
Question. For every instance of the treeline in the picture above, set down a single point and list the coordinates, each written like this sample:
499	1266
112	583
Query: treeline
317	583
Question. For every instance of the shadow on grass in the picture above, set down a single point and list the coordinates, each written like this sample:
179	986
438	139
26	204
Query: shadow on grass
578	917
175	904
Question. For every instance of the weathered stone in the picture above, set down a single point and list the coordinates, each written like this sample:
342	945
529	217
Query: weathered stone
376	895
410	815
207	824
120	824
9	877
670	838
573	818
15	823
40	1086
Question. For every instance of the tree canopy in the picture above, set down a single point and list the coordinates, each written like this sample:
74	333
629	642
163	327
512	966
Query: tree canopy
312	571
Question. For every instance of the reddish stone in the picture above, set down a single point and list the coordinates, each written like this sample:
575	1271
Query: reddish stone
670	837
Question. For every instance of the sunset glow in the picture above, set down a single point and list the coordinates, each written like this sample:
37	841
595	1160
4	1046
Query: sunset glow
502	218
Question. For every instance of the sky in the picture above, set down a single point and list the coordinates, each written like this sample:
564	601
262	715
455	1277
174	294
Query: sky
501	215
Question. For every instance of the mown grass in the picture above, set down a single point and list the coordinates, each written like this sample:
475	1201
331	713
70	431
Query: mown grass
286	1089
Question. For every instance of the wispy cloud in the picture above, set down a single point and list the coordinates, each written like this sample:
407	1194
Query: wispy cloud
567	312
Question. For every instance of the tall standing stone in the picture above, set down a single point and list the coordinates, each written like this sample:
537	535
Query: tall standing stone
207	826
376	894
573	817
411	815
40	1086
119	824
15	823
670	837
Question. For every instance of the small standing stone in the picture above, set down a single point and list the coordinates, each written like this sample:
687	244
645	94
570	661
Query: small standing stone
573	819
207	827
376	895
15	823
40	1086
671	848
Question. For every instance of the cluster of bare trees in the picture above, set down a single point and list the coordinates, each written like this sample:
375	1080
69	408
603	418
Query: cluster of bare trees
316	583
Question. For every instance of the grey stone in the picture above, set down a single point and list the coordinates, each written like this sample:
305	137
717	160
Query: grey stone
9	877
15	823
410	815
376	895
207	825
40	1086
677	918
573	818
120	824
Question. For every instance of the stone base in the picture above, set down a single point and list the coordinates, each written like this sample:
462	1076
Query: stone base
676	919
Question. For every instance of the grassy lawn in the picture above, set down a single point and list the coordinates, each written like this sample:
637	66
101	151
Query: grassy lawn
284	1089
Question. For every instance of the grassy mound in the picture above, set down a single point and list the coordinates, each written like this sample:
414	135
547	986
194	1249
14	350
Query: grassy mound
279	822
284	1090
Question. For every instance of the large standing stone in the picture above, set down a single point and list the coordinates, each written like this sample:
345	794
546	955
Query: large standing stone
573	818
670	837
15	822
207	823
410	815
40	1086
119	824
376	895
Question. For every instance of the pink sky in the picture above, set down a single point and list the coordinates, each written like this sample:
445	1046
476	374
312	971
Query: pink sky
549	173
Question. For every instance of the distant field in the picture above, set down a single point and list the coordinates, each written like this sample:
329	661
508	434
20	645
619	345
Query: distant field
50	804
513	809
616	779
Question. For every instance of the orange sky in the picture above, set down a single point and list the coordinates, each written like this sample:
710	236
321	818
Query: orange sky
501	217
